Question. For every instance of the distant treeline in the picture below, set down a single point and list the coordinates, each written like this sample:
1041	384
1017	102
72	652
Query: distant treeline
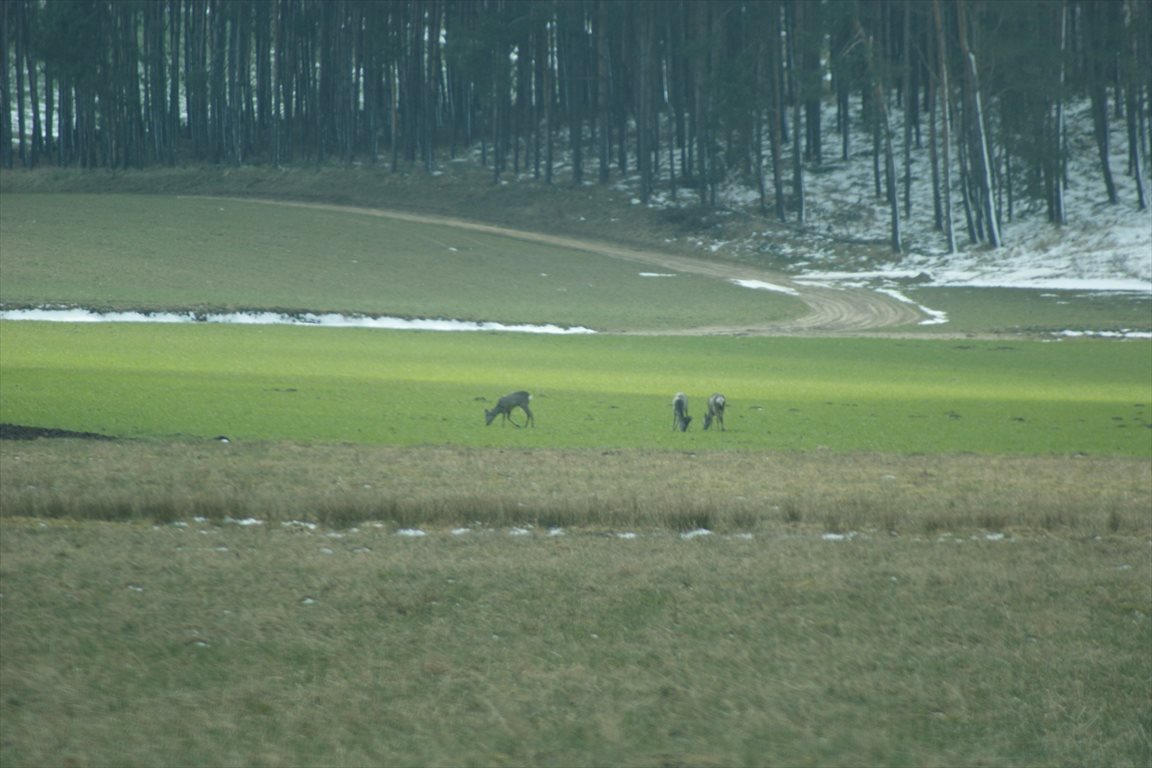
681	93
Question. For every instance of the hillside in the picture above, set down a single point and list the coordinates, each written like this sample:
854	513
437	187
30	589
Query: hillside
845	237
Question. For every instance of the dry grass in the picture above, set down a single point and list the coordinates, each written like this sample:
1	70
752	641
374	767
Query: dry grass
343	485
134	645
280	645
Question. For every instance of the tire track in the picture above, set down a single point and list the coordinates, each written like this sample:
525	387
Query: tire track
831	310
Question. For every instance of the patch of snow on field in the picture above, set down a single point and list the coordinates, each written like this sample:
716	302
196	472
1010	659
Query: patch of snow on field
760	285
1122	334
935	316
326	320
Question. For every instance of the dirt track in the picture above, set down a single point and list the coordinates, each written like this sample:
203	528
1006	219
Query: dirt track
831	310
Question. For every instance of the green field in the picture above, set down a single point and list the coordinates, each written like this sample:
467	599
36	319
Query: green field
903	551
150	252
1030	311
405	388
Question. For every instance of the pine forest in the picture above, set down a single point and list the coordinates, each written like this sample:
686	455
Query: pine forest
682	94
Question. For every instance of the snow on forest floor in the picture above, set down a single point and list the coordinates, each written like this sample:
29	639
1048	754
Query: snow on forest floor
1103	247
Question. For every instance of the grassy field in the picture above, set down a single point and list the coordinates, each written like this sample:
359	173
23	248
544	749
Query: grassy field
134	646
151	252
343	485
403	388
929	552
1029	311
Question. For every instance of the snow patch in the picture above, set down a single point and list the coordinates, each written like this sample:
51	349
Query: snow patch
1122	334
760	285
325	320
244	522
935	316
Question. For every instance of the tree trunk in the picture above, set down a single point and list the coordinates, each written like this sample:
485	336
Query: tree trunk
604	94
776	129
795	22
934	156
880	115
1135	157
7	12
644	104
1058	163
20	30
981	152
909	108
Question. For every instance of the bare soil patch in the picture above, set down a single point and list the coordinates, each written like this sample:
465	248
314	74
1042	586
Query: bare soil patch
23	432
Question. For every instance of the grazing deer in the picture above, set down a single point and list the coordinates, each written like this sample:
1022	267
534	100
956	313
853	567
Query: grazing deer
715	413
504	408
680	417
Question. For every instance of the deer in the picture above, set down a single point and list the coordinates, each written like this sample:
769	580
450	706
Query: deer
680	417
504	408
715	413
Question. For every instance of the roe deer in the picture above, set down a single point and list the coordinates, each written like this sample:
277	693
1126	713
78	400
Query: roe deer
504	408
715	413
680	417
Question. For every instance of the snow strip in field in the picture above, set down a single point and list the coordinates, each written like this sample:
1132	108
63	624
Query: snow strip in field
760	285
327	320
530	532
1122	334
935	316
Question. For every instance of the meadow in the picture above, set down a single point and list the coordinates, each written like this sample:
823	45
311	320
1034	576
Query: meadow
154	252
1036	312
415	388
129	645
905	550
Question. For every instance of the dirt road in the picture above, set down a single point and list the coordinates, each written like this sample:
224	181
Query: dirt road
830	310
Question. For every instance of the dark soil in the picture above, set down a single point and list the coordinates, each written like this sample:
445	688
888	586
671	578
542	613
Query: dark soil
22	432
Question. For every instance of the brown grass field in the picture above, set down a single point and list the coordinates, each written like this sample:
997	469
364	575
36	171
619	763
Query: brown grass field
846	609
343	485
130	644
